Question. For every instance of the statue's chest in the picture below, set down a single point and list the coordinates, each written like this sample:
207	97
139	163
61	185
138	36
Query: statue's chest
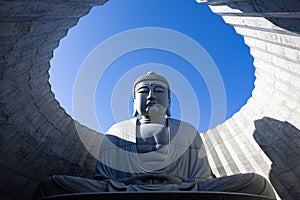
151	137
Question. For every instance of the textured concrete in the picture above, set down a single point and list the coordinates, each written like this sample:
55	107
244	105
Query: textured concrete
264	136
37	137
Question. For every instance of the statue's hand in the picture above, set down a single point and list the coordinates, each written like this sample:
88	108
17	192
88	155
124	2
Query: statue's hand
153	179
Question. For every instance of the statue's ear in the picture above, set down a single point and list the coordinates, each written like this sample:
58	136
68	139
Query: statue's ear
168	112
135	113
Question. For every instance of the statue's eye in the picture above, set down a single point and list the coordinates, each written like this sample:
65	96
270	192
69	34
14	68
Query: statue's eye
159	89
143	90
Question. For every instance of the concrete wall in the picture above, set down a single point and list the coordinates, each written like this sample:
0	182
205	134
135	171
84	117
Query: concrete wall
264	136
38	139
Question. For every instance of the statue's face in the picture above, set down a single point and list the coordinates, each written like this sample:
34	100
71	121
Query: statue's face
151	98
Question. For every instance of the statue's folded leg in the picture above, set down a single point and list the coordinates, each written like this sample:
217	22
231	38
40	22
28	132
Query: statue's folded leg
60	184
241	183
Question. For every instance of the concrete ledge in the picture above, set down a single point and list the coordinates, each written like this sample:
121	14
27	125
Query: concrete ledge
159	196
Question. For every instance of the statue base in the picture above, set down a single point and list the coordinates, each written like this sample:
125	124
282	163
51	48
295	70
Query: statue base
158	196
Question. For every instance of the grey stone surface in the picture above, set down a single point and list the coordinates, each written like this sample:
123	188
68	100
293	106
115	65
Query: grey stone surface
160	196
261	128
36	135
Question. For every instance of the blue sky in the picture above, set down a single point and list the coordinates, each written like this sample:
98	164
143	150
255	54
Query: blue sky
224	46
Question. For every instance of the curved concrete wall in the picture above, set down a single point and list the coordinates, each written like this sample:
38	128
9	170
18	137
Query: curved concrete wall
39	139
264	136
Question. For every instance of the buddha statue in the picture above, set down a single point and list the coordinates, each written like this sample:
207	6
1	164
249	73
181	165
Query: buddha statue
153	152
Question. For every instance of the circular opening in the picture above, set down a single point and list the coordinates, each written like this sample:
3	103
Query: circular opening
190	19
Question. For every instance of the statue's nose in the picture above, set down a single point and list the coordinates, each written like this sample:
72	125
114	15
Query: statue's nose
151	95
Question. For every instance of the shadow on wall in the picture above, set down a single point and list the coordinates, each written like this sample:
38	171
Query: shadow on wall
30	155
279	12
281	141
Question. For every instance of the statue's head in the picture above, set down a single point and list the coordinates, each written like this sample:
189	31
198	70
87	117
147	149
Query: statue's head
151	95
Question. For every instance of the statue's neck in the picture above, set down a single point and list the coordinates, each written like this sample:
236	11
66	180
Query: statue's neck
149	120
152	134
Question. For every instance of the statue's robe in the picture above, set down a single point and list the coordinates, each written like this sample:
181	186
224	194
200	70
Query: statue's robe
181	165
183	158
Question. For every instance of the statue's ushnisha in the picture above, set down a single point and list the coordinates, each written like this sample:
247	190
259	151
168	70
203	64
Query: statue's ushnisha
153	152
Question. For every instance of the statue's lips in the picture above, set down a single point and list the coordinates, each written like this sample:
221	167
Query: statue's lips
151	105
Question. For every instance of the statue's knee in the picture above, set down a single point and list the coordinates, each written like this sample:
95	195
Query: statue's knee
47	180
48	187
263	184
258	179
39	192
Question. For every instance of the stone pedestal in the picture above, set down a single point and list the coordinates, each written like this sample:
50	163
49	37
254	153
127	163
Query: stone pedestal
159	196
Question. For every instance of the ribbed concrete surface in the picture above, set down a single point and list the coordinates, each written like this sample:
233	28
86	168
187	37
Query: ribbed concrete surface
39	139
264	137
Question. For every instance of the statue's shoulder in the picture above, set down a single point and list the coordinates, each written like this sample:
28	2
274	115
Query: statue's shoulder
124	129
183	124
185	132
125	123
